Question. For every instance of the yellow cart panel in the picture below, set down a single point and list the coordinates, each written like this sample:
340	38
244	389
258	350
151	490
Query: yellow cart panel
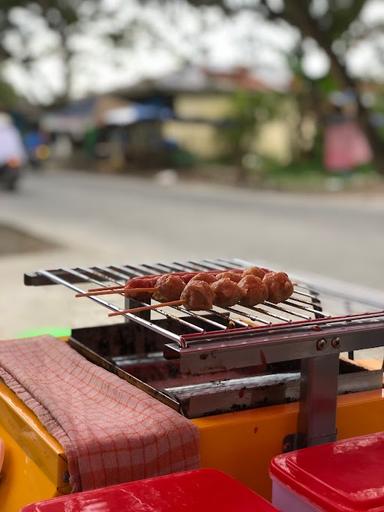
240	443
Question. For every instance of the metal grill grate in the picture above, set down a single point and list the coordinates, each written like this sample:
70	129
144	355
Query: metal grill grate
304	309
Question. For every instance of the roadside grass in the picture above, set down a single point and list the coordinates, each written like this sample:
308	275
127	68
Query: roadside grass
312	177
306	176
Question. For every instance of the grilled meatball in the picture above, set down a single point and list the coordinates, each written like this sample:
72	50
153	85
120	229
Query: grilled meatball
279	286
254	271
168	287
233	276
197	295
204	276
254	291
140	282
226	292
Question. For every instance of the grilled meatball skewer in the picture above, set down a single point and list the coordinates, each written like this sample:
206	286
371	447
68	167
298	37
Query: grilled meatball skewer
251	290
164	288
196	295
169	287
150	282
199	295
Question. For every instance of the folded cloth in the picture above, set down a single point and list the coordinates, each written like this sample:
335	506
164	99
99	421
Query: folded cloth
111	431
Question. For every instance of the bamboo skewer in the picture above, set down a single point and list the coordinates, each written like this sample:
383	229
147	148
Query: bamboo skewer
249	322
147	308
121	289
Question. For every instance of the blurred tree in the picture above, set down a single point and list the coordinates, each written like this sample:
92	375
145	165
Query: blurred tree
65	20
334	25
8	96
249	112
310	99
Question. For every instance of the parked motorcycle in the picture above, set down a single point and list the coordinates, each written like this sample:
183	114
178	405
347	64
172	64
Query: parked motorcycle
10	173
12	154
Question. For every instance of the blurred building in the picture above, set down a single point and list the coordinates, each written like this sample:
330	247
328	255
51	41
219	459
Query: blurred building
79	116
202	101
106	128
171	120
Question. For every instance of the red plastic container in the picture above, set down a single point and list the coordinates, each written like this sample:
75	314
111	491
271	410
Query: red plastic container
345	476
204	490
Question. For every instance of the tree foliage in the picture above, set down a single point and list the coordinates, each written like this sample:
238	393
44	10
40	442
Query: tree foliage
8	96
63	19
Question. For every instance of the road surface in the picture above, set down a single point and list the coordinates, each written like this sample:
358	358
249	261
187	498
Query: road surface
101	219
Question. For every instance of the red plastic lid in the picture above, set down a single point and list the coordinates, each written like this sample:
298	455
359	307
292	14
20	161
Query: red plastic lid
345	476
204	490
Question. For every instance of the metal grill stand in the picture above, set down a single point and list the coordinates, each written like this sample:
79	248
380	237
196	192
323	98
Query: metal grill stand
318	394
318	397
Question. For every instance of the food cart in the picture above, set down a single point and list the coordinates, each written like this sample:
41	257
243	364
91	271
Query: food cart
254	381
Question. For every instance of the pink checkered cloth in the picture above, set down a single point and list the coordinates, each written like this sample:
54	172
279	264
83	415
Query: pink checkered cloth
111	431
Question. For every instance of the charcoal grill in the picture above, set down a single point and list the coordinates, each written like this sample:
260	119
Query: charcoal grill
237	357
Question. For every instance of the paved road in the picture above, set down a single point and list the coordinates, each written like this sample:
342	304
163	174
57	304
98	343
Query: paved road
108	219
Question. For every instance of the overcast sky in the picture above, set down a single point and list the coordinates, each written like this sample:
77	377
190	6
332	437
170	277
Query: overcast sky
176	36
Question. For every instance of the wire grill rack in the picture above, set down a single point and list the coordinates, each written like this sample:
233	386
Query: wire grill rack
306	308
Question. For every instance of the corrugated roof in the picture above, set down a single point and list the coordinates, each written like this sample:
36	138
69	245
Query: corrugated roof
195	79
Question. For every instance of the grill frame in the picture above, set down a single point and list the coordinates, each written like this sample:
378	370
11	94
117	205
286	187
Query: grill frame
273	348
109	346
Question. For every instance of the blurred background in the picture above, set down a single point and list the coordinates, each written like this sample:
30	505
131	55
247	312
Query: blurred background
140	131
